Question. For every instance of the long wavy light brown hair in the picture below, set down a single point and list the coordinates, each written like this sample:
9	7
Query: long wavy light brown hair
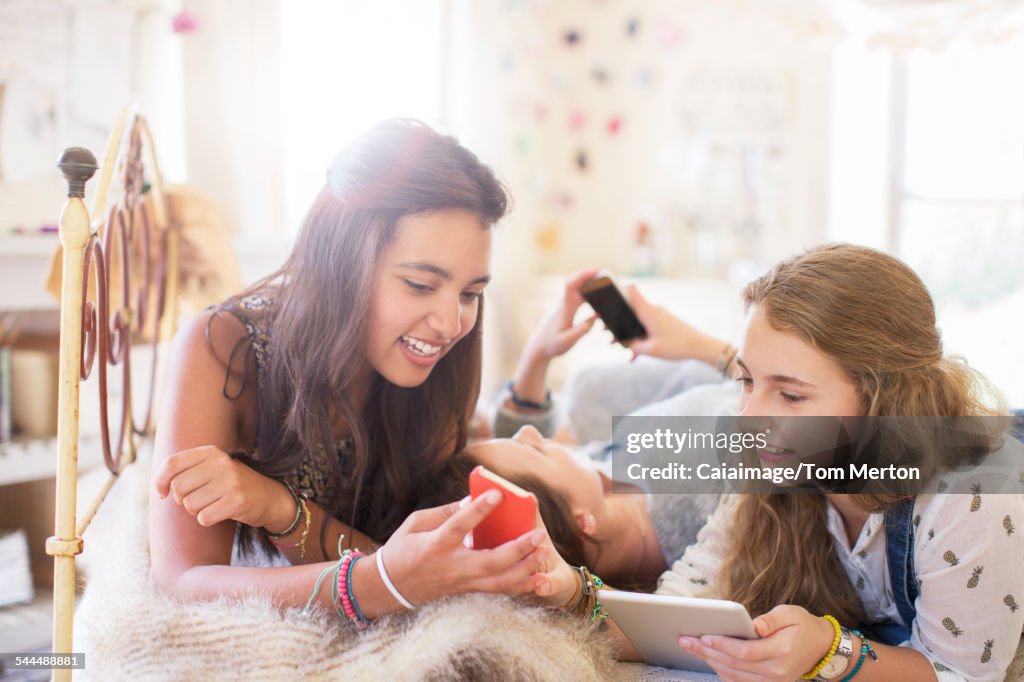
874	316
320	299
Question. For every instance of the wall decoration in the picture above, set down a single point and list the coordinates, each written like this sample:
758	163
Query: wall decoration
28	131
581	160
522	144
643	77
577	119
704	122
184	22
669	35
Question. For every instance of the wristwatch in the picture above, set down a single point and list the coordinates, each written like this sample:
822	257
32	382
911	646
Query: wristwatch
837	665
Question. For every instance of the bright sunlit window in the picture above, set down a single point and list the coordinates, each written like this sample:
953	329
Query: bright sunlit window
960	218
385	61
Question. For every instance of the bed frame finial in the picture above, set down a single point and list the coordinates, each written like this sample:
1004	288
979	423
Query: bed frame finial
78	164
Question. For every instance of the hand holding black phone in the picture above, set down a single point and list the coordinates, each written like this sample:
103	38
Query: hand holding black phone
613	309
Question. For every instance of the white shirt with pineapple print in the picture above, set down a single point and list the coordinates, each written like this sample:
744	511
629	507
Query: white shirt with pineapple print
968	555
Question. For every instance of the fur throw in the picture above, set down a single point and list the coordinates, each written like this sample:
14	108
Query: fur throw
130	631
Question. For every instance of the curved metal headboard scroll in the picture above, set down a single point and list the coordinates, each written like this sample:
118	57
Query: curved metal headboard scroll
104	304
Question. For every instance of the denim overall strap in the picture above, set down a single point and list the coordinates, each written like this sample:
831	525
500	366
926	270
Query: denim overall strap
1018	424
899	553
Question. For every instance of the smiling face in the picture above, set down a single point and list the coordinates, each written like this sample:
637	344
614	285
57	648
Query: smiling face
783	376
427	291
528	453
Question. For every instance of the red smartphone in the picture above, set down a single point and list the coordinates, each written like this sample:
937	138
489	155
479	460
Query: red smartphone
613	309
517	513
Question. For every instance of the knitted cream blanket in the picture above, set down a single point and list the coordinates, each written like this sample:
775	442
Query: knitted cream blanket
130	631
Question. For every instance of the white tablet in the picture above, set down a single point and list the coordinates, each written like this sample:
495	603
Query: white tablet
654	622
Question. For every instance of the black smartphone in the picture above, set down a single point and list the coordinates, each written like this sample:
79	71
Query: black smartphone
613	309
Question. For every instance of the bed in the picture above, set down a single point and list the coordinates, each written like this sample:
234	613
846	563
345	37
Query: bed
120	282
120	277
105	303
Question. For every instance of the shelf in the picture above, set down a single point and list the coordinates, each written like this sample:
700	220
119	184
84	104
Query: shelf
24	262
34	459
28	627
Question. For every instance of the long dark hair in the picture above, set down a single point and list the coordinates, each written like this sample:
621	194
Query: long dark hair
320	299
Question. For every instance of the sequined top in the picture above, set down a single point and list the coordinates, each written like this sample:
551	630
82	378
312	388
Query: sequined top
313	475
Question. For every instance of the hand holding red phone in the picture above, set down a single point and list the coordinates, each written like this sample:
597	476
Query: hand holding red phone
514	516
426	557
555	581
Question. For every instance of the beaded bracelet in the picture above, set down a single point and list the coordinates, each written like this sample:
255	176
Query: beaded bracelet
343	593
339	584
865	649
352	597
813	672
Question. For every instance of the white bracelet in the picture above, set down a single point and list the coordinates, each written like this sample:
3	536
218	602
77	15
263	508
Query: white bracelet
387	581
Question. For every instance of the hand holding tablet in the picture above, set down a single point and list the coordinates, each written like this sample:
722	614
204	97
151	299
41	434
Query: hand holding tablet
653	624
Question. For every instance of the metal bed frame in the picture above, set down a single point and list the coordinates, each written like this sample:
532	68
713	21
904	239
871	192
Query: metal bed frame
119	283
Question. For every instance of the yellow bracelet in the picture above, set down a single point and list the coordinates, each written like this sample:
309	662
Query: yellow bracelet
831	651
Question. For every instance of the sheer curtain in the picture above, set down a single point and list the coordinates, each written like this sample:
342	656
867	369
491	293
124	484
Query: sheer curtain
232	111
348	65
273	90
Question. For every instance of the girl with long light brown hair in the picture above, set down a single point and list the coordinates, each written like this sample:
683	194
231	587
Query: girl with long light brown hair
932	580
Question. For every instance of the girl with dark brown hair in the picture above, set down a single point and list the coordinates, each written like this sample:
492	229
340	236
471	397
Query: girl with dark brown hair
320	409
846	331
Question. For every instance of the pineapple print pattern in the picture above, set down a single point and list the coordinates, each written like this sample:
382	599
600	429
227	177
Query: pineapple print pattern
968	629
948	623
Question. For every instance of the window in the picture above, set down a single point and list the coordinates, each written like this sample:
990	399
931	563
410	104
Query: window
385	60
958	198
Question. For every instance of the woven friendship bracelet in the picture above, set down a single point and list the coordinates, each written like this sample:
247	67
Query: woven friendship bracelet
528	404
